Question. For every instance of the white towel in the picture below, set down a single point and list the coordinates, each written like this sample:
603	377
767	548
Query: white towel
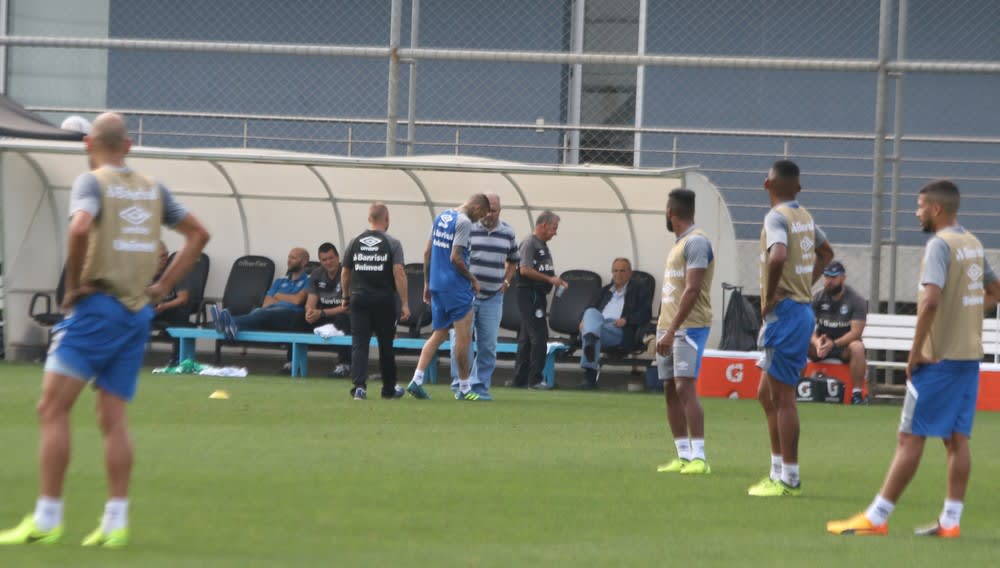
327	331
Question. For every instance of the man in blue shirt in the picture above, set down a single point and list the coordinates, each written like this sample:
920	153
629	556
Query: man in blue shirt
284	305
450	288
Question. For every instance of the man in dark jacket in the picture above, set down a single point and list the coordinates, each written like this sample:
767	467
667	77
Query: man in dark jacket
613	321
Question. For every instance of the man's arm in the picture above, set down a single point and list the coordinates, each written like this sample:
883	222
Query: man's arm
180	300
855	333
824	254
345	283
195	239
992	296
775	265
457	260
76	249
508	276
399	274
926	312
427	272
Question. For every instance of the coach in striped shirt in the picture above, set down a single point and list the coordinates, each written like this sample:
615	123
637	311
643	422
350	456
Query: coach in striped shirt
493	260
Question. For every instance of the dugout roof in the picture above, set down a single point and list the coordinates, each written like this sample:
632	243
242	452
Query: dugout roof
266	202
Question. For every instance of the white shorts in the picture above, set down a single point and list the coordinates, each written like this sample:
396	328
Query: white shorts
685	357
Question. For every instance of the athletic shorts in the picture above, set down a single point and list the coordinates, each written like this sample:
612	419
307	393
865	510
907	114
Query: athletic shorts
941	399
449	307
101	340
784	341
684	359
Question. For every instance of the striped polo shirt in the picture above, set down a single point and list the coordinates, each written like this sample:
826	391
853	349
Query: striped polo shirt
491	251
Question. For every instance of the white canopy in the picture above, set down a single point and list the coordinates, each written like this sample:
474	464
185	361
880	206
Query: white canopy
265	202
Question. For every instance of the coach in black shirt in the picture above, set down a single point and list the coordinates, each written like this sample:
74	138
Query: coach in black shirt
371	278
840	320
536	277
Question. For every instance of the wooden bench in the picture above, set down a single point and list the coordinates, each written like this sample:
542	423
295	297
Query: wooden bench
300	343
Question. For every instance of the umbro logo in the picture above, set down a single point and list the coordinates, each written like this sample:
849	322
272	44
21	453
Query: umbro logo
370	241
975	272
135	215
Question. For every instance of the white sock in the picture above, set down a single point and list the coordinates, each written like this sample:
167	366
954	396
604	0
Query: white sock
683	448
418	377
48	513
951	515
775	467
790	474
464	386
698	448
880	509
115	515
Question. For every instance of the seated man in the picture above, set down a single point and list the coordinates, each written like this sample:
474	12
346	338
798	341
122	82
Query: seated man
284	303
173	309
325	303
613	322
840	321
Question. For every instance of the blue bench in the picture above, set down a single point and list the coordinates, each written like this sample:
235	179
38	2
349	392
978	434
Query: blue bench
300	343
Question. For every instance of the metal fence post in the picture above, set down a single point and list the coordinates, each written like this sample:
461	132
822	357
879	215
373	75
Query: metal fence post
392	106
411	99
878	185
640	87
576	81
897	155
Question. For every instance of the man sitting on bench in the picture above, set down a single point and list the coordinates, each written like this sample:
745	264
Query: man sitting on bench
613	321
283	309
840	321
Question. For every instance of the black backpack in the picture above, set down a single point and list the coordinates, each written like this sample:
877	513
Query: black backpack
740	324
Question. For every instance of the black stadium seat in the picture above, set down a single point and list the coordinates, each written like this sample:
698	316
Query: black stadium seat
420	313
249	279
567	309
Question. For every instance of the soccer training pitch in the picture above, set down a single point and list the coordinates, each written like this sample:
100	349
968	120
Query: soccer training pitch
294	473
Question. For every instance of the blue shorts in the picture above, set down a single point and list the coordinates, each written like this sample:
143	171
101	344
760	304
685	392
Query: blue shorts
449	307
785	341
941	399
102	340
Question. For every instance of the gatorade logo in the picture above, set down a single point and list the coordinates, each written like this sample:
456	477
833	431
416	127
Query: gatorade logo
804	389
734	373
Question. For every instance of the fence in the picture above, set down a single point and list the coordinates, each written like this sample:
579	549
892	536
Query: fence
871	98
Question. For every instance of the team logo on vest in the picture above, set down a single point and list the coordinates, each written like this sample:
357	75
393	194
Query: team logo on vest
446	219
974	272
806	243
370	241
135	215
668	292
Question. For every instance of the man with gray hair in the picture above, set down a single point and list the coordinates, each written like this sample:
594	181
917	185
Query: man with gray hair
493	260
536	279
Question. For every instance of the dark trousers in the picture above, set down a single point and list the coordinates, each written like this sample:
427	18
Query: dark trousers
373	313
531	343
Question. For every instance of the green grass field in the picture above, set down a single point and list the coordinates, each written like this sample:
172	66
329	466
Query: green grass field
294	473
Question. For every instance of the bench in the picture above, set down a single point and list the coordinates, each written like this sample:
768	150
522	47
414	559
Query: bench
300	343
893	332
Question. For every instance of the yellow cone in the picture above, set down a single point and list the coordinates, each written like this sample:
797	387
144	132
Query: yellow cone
219	395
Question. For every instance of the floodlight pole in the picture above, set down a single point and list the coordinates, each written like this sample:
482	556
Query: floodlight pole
411	100
640	87
576	81
4	27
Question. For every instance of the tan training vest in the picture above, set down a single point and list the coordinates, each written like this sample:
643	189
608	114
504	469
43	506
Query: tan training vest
123	248
673	287
957	331
796	276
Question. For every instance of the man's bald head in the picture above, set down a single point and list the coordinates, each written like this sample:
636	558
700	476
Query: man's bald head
109	132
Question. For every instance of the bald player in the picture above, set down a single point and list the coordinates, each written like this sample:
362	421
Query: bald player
956	285
793	253
116	215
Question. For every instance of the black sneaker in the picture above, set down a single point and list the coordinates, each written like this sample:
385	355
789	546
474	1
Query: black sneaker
359	393
856	398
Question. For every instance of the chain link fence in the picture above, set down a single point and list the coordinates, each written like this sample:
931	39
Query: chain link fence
726	86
